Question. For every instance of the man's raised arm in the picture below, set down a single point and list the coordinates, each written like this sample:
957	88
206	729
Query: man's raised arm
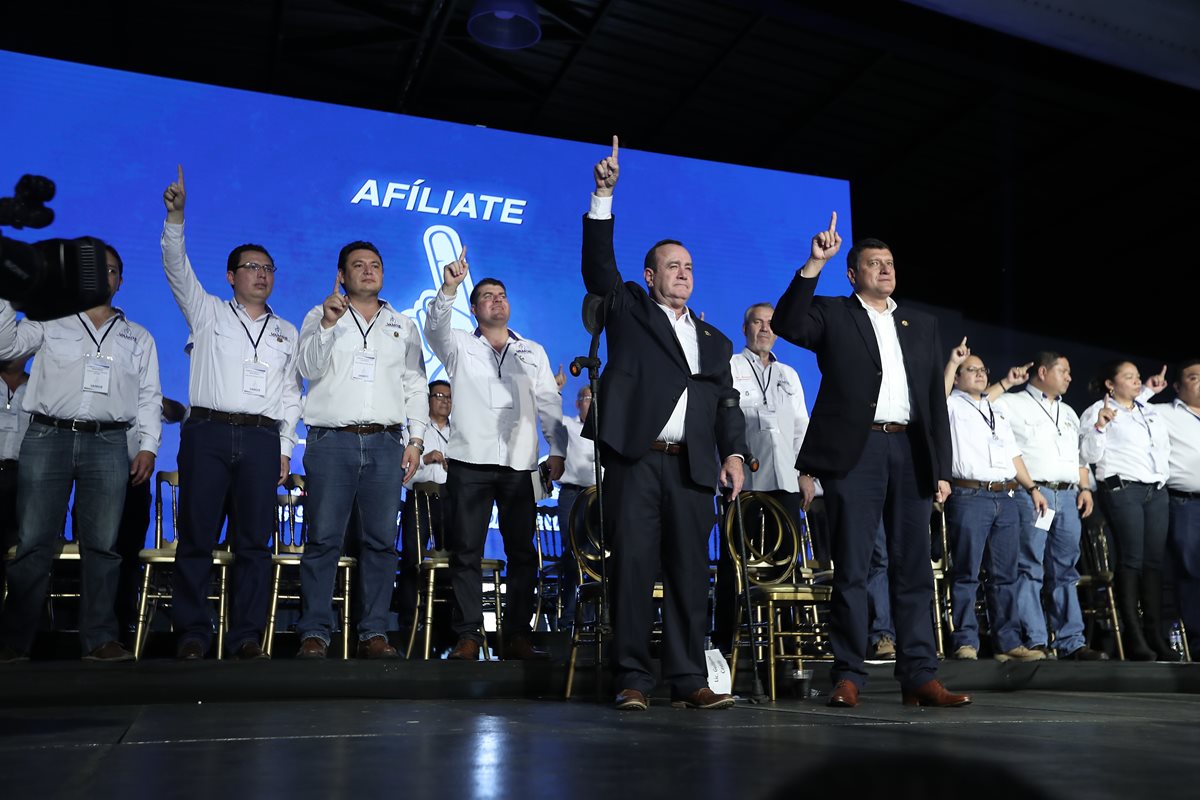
792	320
600	274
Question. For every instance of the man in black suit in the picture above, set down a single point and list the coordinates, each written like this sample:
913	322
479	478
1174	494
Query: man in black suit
879	440
667	406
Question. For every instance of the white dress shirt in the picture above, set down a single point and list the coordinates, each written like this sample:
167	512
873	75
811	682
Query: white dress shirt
580	468
1047	432
223	347
436	438
13	422
1134	446
1183	424
498	396
685	332
983	442
772	401
893	404
362	372
105	374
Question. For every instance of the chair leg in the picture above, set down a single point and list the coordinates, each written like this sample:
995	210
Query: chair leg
346	587
1114	618
576	632
499	618
139	635
269	633
771	648
428	592
737	640
222	609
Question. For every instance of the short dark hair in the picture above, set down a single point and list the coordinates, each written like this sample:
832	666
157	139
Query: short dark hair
863	244
345	252
1182	365
117	256
1108	371
436	383
1045	358
235	255
485	282
652	253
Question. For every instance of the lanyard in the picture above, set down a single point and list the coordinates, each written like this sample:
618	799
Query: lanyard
763	386
107	330
253	342
371	327
500	361
445	439
11	393
989	418
1057	410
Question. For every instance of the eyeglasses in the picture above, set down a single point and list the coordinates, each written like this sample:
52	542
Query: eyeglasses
439	396
256	267
975	370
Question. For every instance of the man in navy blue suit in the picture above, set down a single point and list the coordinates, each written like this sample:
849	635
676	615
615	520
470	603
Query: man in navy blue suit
879	440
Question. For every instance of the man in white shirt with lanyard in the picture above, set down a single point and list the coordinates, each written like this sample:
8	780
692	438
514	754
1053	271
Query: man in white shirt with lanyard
1047	433
772	401
982	514
1183	488
429	481
365	367
13	423
94	376
502	384
237	442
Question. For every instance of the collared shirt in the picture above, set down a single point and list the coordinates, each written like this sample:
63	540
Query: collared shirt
1183	424
13	421
498	396
685	331
772	402
893	404
1047	432
580	469
1134	446
105	374
436	438
362	372
226	364
984	446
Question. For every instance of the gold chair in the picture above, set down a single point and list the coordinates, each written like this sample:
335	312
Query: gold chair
64	550
549	543
1096	577
943	620
156	583
288	550
433	559
781	579
583	533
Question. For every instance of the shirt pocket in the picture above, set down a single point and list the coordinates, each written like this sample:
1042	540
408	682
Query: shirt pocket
276	350
64	346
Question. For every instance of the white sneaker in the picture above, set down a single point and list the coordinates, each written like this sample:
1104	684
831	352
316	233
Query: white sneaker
966	653
1021	653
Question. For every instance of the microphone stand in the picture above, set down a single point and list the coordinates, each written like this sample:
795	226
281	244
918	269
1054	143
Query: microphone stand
593	320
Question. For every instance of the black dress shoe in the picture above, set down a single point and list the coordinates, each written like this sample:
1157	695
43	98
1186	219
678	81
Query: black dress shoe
190	650
250	651
1085	653
519	648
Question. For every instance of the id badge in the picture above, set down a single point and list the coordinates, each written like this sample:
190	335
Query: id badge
254	378
501	392
364	366
997	454
768	420
97	374
9	420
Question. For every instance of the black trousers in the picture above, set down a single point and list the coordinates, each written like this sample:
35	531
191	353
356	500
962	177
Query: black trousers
474	488
131	538
8	509
657	520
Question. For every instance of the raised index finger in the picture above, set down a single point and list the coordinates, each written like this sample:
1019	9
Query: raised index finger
616	147
337	283
180	168
833	223
1163	373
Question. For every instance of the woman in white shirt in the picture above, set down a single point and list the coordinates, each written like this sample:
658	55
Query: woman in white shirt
1127	443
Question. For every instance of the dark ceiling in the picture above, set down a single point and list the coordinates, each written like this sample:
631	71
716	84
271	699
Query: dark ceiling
1025	186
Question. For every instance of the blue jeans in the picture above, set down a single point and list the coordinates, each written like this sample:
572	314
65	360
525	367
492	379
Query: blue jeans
1185	541
1137	514
1050	558
878	601
51	461
350	471
979	520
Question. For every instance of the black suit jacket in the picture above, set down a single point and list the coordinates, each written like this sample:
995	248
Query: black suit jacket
647	370
839	331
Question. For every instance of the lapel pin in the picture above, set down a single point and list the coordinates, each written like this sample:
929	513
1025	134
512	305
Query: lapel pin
706	333
904	322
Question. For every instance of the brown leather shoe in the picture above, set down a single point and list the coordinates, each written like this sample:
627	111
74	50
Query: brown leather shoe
312	648
190	650
250	651
377	647
466	650
844	694
934	695
705	699
109	653
631	700
519	648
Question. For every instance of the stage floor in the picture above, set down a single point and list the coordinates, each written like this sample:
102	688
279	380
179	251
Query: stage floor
1066	744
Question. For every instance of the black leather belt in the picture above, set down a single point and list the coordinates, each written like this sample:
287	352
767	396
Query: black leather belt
573	486
987	486
889	427
7	463
669	448
230	418
80	425
1182	495
1115	483
1060	486
366	429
